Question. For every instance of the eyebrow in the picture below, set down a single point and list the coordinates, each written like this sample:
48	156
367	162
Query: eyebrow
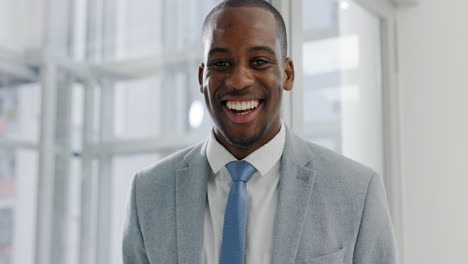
214	51
217	50
263	48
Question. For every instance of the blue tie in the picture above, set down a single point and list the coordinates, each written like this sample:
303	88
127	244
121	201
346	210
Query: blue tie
235	216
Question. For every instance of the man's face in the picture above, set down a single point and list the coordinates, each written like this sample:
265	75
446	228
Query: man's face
243	75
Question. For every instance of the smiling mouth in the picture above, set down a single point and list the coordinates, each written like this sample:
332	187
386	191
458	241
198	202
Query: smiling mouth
242	107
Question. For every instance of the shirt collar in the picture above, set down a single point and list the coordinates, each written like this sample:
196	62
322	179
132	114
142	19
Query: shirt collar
263	159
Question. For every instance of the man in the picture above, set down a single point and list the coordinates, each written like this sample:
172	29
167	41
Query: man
254	192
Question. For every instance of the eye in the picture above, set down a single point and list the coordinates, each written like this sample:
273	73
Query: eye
220	63
259	62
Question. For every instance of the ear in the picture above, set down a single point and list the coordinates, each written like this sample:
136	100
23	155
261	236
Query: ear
201	69
288	74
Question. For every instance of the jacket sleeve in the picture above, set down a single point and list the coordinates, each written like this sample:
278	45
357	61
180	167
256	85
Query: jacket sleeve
133	246
376	238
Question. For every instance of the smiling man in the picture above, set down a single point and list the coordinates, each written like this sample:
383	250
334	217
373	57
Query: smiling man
243	75
253	192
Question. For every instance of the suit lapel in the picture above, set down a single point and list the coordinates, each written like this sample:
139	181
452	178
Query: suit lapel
295	188
191	187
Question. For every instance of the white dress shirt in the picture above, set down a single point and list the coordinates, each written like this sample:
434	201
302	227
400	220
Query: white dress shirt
262	199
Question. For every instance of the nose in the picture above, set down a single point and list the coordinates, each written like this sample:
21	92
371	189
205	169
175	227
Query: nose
240	77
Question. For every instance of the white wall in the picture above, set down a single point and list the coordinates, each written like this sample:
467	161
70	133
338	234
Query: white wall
433	82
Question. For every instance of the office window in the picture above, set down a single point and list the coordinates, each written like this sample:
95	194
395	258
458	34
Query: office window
120	82
342	73
19	111
140	103
20	103
17	208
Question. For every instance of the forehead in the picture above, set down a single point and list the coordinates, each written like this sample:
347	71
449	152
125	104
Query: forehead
241	25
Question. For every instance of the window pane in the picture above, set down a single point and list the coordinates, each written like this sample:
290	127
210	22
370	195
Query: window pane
19	112
139	28
319	15
142	108
137	111
7	226
166	102
17	205
342	80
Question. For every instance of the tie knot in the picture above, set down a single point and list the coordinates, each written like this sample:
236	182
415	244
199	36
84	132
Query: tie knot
240	170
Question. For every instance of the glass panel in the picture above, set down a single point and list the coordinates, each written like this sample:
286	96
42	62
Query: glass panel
183	108
75	176
138	28
7	226
77	117
142	109
141	28
342	80
167	103
17	205
319	15
73	215
137	111
19	112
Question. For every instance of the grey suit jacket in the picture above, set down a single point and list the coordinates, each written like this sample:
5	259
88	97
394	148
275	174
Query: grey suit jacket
330	210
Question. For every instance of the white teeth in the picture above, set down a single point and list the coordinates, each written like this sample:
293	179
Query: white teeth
242	105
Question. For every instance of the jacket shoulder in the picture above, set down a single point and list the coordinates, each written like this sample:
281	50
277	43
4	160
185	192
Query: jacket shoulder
344	182
163	171
335	173
326	160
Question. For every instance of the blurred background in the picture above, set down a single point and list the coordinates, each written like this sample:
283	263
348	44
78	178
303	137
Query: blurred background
91	91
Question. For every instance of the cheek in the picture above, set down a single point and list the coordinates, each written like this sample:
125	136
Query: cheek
209	92
212	86
272	77
273	84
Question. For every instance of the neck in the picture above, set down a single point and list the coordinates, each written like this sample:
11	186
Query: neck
240	152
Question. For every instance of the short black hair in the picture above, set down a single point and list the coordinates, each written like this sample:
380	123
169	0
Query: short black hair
254	3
